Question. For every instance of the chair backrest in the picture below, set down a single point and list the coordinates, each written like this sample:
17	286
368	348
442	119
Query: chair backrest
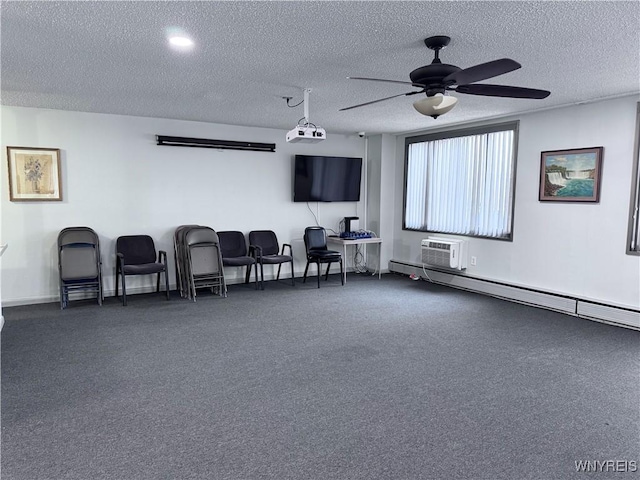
79	261
137	249
266	240
232	244
201	235
72	235
203	249
315	238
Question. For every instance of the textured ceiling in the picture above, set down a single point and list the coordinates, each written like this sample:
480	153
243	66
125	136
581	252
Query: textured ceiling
113	57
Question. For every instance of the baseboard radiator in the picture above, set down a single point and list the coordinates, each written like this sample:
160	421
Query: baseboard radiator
625	317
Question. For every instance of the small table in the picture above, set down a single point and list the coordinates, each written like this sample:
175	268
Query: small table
344	242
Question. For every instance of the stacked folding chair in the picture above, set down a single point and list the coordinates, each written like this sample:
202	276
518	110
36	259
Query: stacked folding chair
198	261
79	263
180	255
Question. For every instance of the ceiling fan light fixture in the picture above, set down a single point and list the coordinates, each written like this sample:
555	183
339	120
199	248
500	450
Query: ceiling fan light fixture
436	105
181	42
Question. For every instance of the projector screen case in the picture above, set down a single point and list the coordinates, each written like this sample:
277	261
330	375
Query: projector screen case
217	144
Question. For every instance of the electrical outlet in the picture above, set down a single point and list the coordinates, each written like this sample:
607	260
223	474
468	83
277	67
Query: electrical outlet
473	261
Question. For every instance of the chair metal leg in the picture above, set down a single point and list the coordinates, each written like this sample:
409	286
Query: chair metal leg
261	275
341	272
278	275
124	290
192	285
326	275
306	268
247	275
319	273
100	297
166	282
293	278
256	278
117	278
223	288
177	267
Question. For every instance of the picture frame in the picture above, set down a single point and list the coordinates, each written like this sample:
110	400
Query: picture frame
34	174
571	175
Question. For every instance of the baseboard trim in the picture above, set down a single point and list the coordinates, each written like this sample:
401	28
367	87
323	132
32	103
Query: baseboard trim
231	279
578	307
79	296
590	310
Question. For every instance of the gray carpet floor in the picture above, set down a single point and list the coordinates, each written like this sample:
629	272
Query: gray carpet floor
380	379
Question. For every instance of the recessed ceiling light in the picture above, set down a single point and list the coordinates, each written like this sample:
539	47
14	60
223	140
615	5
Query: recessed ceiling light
181	41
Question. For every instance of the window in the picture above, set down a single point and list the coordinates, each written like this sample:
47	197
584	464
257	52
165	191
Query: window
633	246
462	182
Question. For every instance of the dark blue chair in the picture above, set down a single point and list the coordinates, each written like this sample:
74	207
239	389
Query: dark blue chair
233	247
136	255
266	244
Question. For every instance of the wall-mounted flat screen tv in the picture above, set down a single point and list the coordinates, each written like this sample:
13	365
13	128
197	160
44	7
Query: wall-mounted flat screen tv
326	179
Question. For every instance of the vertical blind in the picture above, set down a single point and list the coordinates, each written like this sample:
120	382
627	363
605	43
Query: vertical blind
461	185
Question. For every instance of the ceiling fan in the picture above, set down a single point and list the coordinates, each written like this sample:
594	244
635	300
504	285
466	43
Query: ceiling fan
437	78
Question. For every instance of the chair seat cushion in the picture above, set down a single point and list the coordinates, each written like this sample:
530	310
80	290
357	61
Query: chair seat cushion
273	259
324	255
238	261
143	269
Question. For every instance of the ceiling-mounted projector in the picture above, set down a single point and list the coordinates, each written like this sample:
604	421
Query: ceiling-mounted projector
305	131
304	134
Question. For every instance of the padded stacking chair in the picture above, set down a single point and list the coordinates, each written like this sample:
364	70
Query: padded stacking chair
268	252
235	254
181	260
136	255
79	263
204	261
315	242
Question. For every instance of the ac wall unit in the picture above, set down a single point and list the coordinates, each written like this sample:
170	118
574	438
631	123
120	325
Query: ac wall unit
444	253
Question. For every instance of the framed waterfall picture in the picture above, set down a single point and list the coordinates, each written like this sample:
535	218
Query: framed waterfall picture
571	175
34	174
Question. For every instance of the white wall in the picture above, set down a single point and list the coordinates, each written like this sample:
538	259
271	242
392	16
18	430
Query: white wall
567	248
116	180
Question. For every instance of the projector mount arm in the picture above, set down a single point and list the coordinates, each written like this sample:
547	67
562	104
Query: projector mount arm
305	102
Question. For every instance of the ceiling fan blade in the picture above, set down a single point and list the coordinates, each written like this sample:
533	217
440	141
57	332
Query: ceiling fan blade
419	85
482	71
380	100
502	91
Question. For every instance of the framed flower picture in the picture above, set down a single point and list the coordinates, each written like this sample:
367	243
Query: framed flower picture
34	174
571	175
